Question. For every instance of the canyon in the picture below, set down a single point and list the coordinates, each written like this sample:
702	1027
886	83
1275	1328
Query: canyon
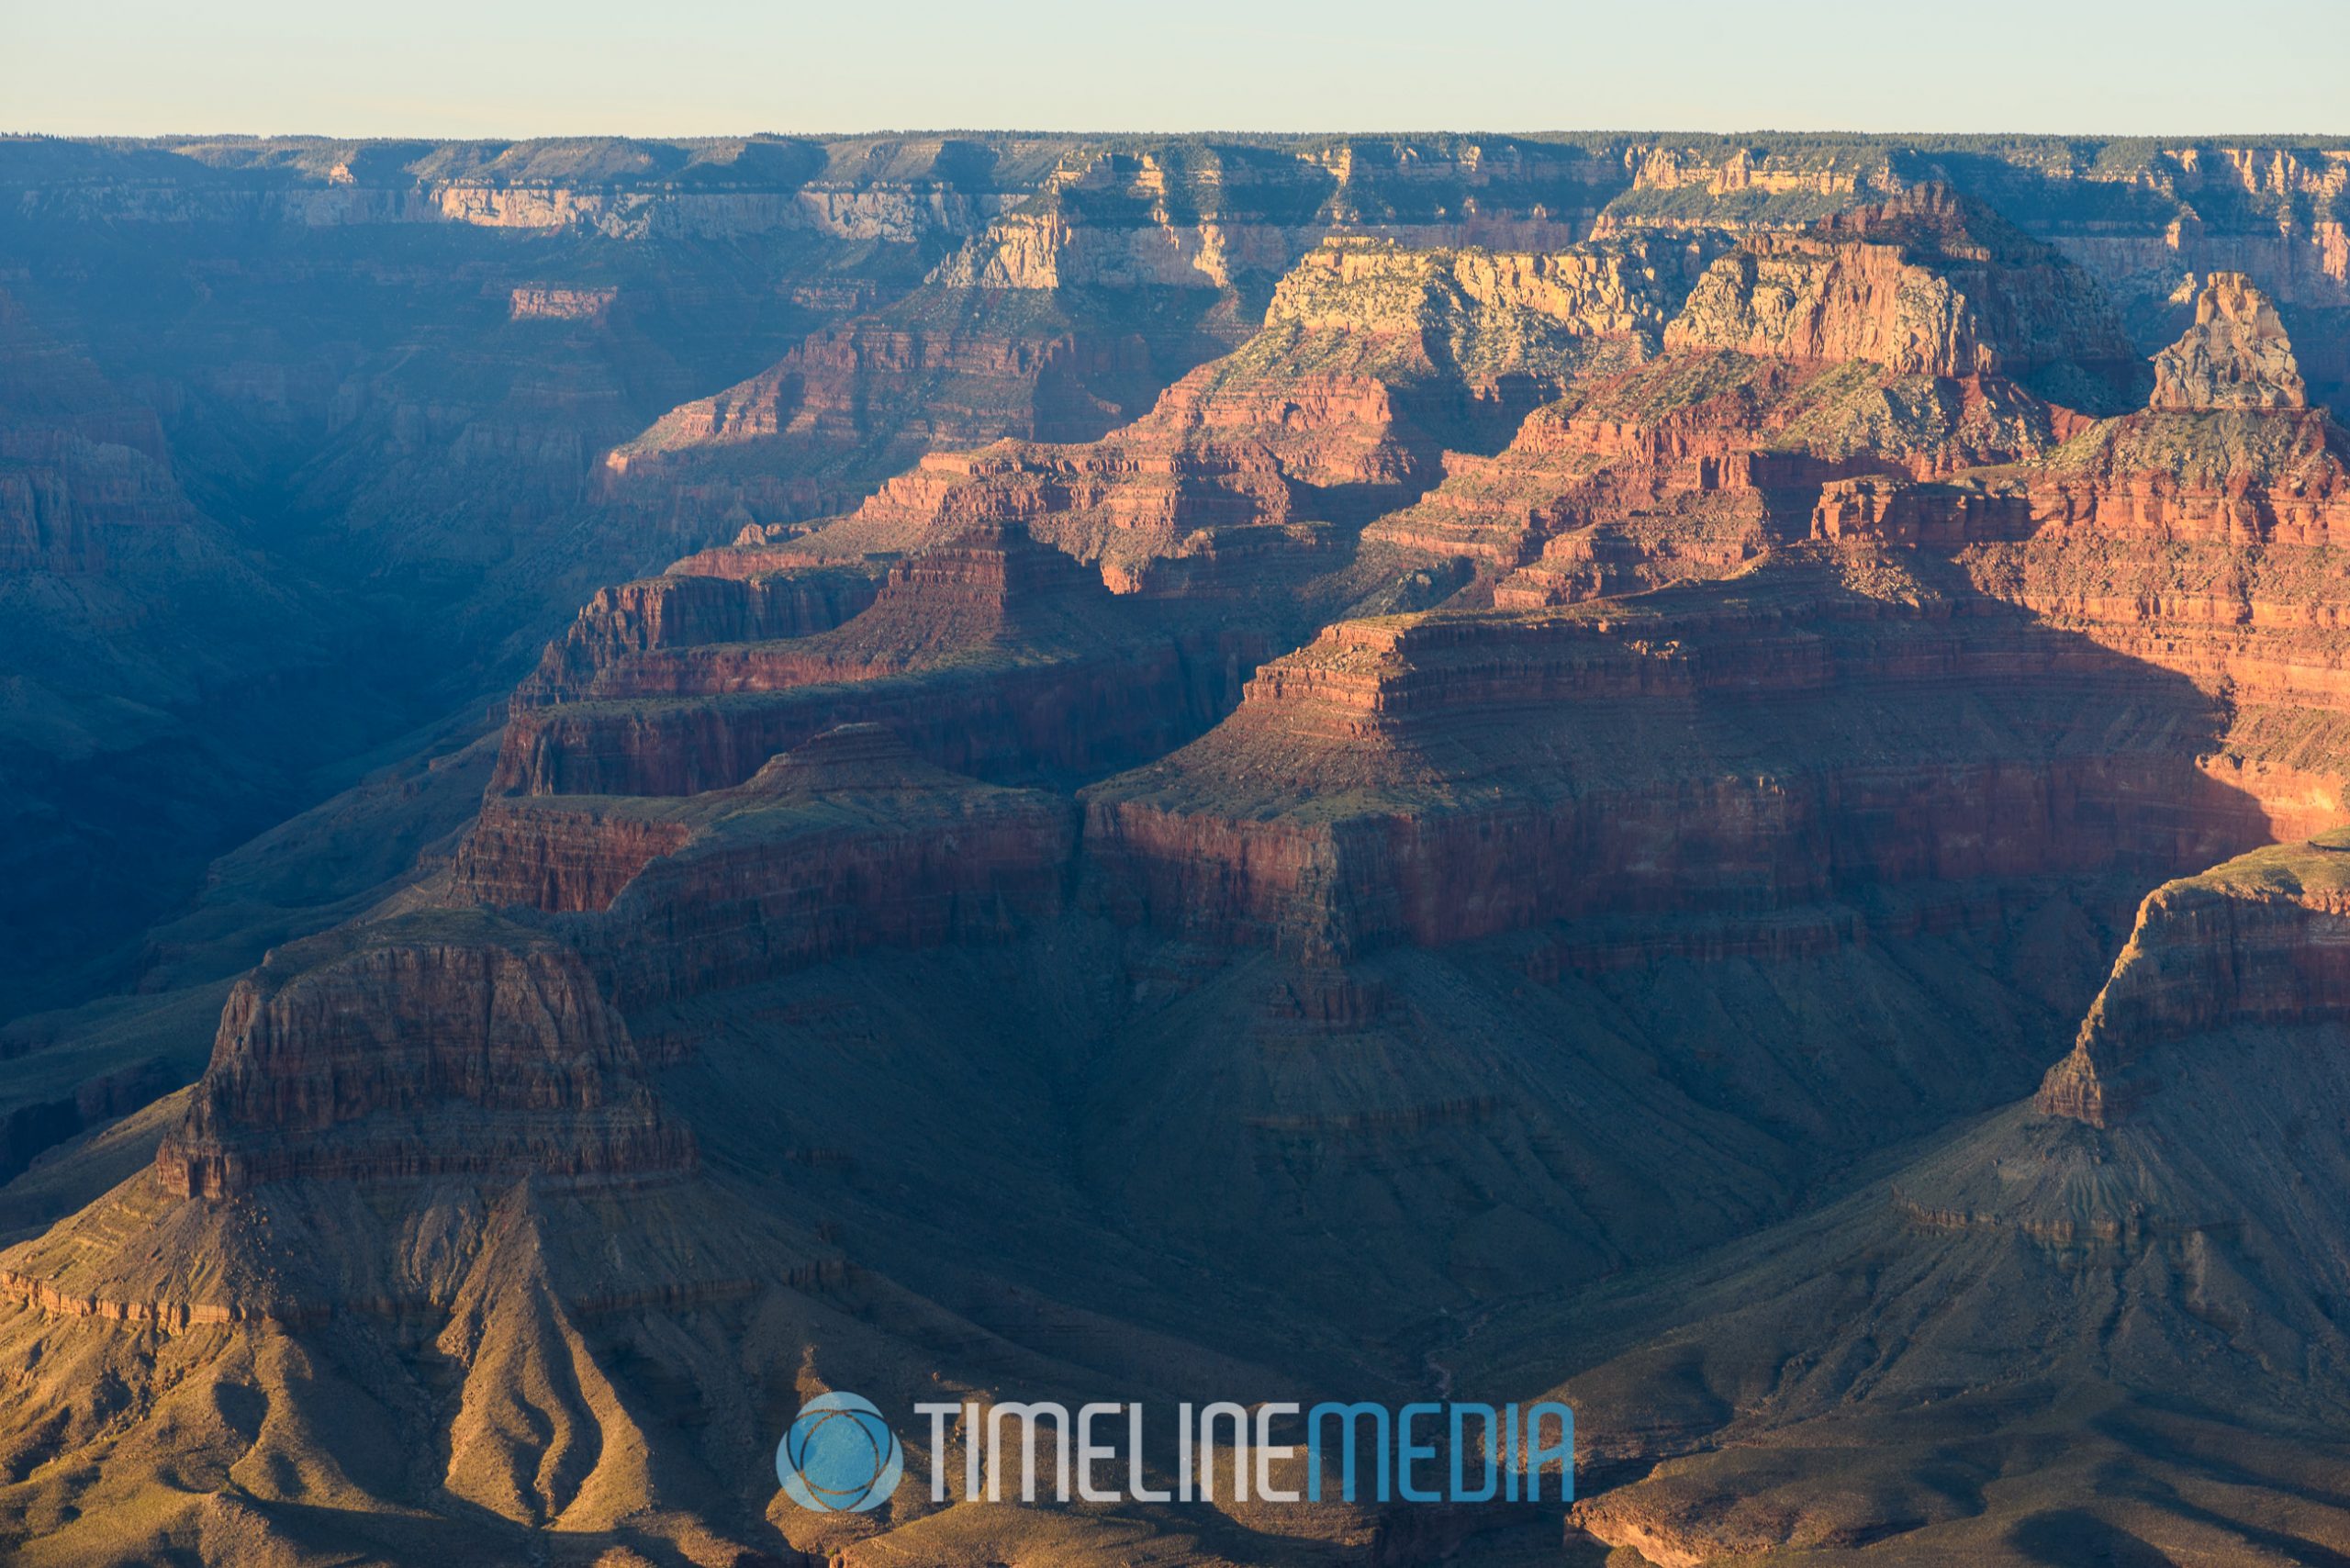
1701	777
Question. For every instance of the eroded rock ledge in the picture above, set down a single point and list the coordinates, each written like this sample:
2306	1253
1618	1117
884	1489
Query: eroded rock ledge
444	1044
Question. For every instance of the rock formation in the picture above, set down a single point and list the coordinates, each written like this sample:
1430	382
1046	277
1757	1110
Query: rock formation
2235	356
2252	944
413	1051
2151	1236
1435	777
1926	283
1262	766
683	611
990	653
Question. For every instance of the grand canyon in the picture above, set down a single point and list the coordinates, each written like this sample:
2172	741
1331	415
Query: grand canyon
1701	777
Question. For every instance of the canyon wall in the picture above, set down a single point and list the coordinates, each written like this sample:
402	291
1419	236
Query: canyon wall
419	1052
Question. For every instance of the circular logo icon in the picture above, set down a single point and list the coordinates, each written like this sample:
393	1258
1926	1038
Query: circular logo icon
840	1457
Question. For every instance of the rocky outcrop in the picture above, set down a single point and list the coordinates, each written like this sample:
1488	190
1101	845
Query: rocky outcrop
844	844
1372	361
1433	778
2201	541
64	502
2234	356
1695	463
950	368
1124	269
1213	214
1130	502
2159	1229
1926	283
2263	940
989	653
557	854
1626	288
684	610
2240	476
80	463
1008	719
554	302
840	843
1807	373
439	1046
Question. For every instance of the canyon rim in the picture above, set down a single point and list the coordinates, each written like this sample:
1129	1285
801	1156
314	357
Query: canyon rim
1001	850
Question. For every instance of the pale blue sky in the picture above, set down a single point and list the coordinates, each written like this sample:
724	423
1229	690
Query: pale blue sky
665	68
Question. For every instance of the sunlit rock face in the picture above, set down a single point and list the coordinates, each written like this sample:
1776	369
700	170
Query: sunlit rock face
2235	356
1698	776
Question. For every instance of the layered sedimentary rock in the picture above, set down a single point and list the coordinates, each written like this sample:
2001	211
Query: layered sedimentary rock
948	366
843	843
1427	778
1397	710
2155	1236
990	653
1696	463
683	611
1371	362
2261	941
1209	214
1067	314
1926	283
890	189
2200	540
1472	1006
79	461
2234	356
554	302
439	1046
2150	223
1370	359
1848	352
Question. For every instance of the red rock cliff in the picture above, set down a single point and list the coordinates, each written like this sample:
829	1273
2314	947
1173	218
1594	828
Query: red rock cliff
442	1046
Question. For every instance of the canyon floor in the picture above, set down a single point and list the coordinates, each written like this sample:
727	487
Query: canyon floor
1701	777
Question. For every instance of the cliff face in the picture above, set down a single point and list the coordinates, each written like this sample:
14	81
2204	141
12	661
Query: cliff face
2260	941
1214	215
2197	540
893	189
1430	780
408	1053
78	460
1876	346
1468	728
460	439
841	847
1927	283
948	366
1702	461
2162	1223
2149	225
843	844
1696	463
2235	356
992	654
677	611
1370	361
1069	313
